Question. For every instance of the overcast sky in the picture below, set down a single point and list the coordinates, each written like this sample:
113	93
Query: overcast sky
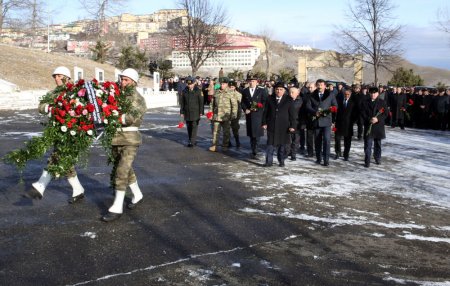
301	22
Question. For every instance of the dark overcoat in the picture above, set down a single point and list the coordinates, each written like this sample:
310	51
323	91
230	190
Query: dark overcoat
279	118
369	109
254	119
191	103
346	116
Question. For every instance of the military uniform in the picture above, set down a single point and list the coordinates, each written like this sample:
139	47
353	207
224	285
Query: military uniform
126	142
224	106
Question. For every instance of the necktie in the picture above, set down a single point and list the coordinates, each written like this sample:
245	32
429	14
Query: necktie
252	90
278	100
345	103
320	95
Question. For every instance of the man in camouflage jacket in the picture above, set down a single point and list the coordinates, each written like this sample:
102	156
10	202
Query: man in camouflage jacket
124	148
224	106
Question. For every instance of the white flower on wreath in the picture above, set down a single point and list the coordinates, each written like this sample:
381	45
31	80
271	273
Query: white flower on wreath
105	121
63	128
73	133
89	132
115	113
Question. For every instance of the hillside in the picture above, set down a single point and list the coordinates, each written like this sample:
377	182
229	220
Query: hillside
32	69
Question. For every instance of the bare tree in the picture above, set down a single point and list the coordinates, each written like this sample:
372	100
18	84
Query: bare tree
443	19
100	9
7	6
372	33
267	35
201	30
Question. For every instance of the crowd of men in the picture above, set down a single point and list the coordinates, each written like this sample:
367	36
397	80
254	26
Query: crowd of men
301	118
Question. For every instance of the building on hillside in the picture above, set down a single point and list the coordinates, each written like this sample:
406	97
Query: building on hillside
230	57
301	48
164	16
79	47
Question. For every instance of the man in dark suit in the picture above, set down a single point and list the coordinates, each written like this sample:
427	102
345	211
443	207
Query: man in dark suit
373	113
279	120
345	118
318	105
254	99
294	93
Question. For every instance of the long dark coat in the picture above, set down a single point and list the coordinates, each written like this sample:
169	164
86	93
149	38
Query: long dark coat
345	117
191	103
396	102
314	103
371	109
254	119
279	118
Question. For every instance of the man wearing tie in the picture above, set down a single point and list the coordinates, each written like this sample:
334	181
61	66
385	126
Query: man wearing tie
253	102
319	101
345	118
279	120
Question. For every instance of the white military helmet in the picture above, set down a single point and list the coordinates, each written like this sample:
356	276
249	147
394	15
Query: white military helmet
131	73
62	70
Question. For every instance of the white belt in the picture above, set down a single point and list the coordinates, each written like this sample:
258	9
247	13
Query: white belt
130	128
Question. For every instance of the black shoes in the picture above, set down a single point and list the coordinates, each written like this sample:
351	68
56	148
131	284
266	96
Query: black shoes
281	164
110	217
76	199
132	206
190	144
345	158
326	164
293	158
33	194
267	165
318	161
377	161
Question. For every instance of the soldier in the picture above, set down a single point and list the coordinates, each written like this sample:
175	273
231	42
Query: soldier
61	76
124	148
235	122
254	99
224	107
191	109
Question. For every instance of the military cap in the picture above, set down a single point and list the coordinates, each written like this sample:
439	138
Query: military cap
224	80
251	76
190	80
373	89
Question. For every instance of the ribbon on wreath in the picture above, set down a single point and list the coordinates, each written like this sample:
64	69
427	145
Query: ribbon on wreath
96	114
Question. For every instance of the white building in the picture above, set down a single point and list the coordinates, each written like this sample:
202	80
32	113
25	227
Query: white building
233	57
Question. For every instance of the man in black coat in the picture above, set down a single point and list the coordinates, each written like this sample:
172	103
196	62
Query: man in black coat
345	118
254	99
318	105
279	121
373	113
191	109
397	104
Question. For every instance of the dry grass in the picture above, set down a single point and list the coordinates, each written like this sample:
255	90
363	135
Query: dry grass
31	69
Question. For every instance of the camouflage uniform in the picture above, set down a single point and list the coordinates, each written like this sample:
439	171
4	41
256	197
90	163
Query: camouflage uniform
235	122
43	108
224	106
126	142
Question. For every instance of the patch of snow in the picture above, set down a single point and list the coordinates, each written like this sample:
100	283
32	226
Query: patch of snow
424	238
89	234
238	265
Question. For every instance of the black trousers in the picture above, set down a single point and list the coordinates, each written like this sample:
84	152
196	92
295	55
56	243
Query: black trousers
281	151
302	134
292	148
192	127
310	134
347	145
254	142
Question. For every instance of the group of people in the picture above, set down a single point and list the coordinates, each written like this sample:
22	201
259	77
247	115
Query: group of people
124	148
295	119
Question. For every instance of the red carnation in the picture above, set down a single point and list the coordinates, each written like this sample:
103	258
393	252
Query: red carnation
62	113
209	115
180	125
382	110
95	81
80	82
411	102
333	109
259	105
111	99
334	129
90	107
106	84
99	101
69	86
